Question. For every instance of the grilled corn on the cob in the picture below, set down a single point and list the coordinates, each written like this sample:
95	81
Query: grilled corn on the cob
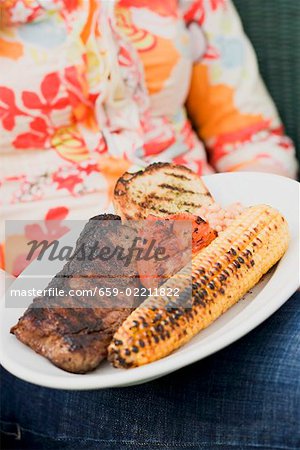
221	274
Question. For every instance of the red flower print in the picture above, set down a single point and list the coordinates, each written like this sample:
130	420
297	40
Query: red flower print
102	146
59	213
41	129
72	77
199	165
77	89
70	5
215	4
36	139
8	109
52	230
89	168
124	57
19	265
163	8
211	53
49	89
196	13
81	100
67	182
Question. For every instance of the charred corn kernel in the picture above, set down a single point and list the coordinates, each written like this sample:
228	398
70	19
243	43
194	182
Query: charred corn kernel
221	274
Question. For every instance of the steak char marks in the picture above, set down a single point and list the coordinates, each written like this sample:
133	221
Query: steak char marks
74	332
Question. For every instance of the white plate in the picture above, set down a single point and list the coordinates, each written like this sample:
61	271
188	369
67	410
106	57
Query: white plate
264	300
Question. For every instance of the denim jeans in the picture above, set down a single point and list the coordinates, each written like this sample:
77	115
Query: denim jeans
247	396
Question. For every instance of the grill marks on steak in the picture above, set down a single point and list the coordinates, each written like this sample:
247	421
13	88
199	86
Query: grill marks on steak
74	332
72	346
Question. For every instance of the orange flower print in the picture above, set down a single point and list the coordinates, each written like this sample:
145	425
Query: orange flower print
112	169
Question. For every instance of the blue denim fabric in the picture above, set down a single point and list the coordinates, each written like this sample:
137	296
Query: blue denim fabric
244	397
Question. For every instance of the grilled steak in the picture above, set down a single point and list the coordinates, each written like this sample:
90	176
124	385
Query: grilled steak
74	332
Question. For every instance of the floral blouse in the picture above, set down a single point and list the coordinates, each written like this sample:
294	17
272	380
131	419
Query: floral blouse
91	88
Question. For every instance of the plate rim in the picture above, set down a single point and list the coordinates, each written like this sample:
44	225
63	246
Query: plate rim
160	368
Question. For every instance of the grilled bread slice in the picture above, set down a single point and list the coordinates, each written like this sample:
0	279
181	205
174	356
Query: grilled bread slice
161	189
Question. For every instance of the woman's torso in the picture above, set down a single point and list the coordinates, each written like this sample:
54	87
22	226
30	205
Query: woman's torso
53	145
